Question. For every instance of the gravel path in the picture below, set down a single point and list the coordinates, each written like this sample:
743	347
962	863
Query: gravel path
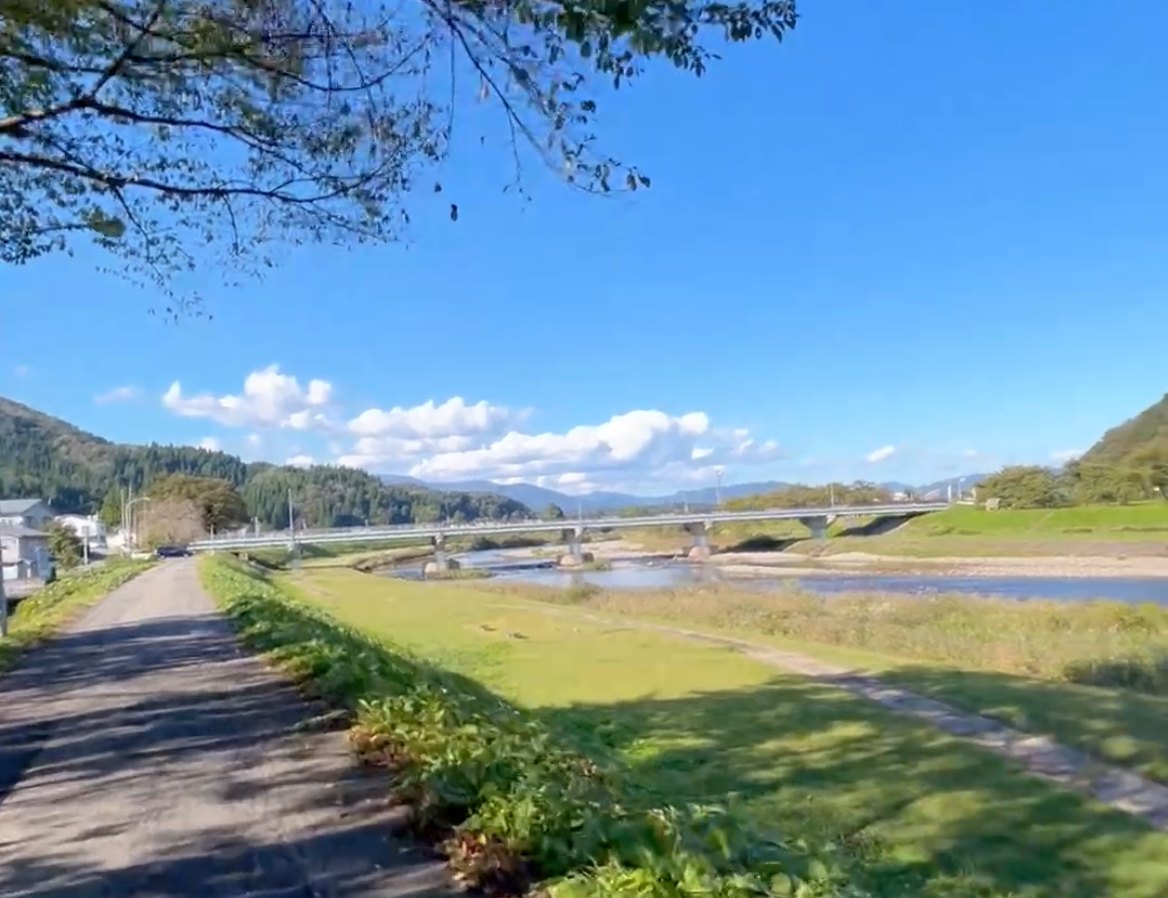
142	755
1039	755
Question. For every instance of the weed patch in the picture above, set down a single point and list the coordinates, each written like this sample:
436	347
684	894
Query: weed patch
49	609
508	803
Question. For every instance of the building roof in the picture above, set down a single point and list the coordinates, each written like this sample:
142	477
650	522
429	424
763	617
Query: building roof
18	506
21	532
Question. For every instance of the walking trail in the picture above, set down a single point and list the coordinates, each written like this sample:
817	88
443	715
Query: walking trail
1039	755
143	755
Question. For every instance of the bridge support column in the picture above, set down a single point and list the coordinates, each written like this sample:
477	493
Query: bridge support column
441	562
818	525
574	539
700	532
294	556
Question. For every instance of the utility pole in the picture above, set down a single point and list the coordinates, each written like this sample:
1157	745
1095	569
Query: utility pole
3	602
718	489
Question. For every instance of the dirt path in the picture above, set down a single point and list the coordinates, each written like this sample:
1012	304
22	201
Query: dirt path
142	754
1039	755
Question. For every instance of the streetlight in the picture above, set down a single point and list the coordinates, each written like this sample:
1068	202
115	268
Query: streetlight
130	531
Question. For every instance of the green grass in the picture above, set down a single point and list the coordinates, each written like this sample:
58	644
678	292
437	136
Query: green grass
46	611
1092	675
512	801
454	573
961	531
927	814
966	531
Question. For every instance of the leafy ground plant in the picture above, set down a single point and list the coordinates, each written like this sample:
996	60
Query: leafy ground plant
46	611
510	805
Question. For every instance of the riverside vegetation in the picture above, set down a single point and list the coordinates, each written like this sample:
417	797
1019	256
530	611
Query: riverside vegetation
50	608
599	758
509	804
1092	675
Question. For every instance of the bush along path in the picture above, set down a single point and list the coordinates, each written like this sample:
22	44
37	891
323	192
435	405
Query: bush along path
50	609
511	809
1039	755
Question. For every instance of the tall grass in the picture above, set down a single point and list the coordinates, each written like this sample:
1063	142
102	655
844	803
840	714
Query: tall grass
1096	643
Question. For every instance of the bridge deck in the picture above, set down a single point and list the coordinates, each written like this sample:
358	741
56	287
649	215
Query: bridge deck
491	528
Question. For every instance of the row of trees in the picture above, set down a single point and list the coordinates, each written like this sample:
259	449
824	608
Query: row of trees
1079	483
861	492
320	497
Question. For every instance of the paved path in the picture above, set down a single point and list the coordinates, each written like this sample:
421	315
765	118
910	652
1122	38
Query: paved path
143	756
1039	755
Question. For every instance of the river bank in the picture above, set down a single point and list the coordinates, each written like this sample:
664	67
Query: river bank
769	564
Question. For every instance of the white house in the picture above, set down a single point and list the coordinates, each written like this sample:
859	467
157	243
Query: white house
87	527
24	553
34	514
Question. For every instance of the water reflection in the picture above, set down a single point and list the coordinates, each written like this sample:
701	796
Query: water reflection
671	575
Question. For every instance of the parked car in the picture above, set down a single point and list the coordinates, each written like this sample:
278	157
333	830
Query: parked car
172	552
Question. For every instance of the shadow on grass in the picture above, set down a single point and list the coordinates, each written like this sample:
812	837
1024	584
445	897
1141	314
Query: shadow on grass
148	758
804	756
1119	726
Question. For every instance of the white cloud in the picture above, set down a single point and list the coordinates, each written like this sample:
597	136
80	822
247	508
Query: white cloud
212	444
117	394
639	446
459	439
269	399
21	370
882	454
1063	456
299	461
429	421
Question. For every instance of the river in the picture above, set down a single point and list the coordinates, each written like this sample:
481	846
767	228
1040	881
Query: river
658	574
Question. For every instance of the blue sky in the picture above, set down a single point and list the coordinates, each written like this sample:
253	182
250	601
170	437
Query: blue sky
915	232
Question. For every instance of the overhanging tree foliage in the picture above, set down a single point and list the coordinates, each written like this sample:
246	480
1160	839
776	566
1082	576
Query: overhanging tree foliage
170	130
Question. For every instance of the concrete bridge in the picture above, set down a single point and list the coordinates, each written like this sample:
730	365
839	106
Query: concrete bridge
698	524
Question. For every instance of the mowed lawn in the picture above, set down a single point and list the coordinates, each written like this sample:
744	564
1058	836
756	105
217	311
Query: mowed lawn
698	723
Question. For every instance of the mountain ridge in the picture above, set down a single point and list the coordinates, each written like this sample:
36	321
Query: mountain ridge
76	471
538	497
1141	441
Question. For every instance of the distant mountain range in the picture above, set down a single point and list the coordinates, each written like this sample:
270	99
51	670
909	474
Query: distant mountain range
538	497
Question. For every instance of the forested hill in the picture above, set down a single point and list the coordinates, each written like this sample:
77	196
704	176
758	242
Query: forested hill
50	459
1140	442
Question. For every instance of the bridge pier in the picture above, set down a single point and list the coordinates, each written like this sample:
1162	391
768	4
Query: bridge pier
441	562
818	524
574	540
700	531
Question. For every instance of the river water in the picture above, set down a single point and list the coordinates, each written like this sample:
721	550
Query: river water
658	574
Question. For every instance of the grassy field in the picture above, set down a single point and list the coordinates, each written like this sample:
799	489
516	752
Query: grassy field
968	531
962	531
1094	676
926	814
46	611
